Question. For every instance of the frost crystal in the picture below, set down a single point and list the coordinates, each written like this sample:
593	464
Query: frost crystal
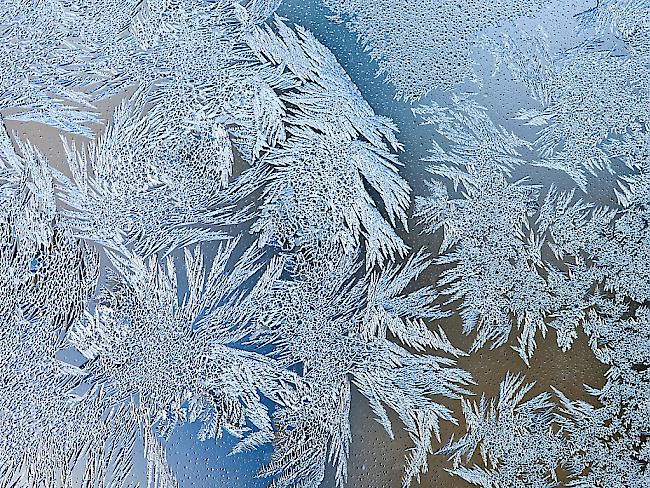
339	338
588	94
487	232
516	445
218	235
529	443
316	198
582	265
178	355
105	259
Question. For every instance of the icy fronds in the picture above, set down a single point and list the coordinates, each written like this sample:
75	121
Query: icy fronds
495	253
138	187
337	325
325	98
486	231
53	434
44	271
52	51
316	198
588	95
474	140
628	20
543	442
389	310
615	243
514	438
610	440
176	353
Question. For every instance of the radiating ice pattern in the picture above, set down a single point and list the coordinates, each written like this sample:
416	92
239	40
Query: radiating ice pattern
206	225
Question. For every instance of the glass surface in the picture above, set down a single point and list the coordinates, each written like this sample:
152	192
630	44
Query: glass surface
321	243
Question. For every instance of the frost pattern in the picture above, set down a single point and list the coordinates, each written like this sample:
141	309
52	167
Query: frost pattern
589	95
501	427
529	443
325	322
177	355
537	260
488	232
223	250
315	199
230	249
47	276
602	291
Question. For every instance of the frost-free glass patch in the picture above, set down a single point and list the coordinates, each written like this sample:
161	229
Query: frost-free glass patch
324	243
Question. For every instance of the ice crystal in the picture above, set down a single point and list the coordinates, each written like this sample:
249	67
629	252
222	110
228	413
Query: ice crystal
47	428
513	437
339	338
529	443
626	19
487	232
337	145
51	429
230	248
37	80
193	58
588	94
178	354
497	235
129	191
610	440
46	272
